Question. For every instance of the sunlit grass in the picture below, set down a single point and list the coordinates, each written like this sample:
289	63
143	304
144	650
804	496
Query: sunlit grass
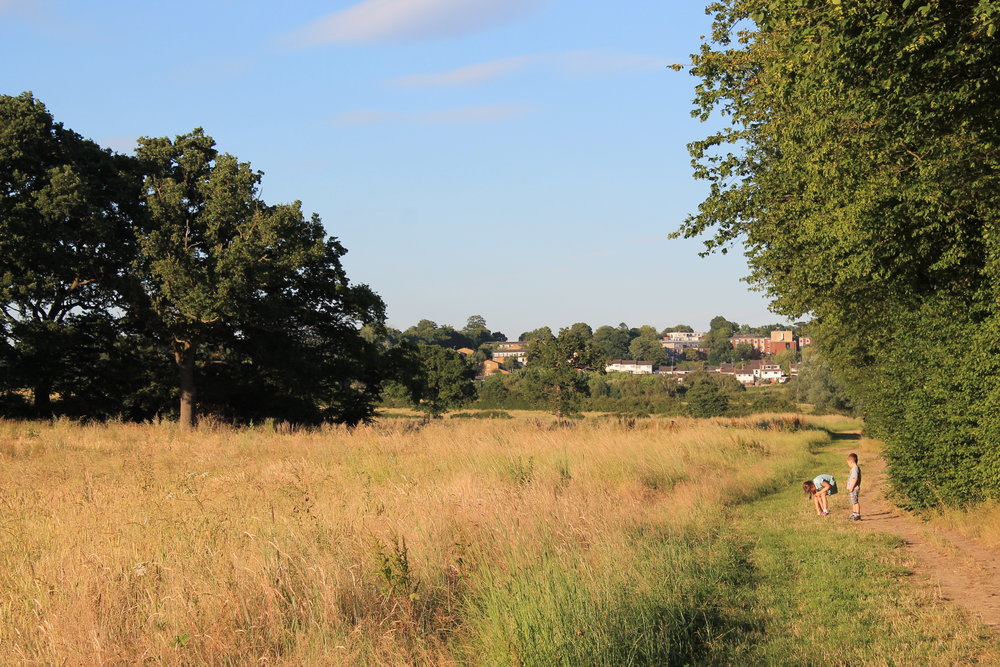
981	523
517	541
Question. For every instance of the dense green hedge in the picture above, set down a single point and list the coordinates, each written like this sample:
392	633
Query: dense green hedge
859	163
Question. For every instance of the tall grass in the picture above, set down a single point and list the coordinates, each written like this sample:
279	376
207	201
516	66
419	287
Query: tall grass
482	541
980	522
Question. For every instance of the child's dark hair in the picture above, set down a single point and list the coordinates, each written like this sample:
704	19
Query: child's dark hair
809	488
853	457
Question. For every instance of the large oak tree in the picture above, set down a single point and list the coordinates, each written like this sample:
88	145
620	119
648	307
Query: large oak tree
228	280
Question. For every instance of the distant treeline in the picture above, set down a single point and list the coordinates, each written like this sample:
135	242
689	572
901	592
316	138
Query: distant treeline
565	374
609	342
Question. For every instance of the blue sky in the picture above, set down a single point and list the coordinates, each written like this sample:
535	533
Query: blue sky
523	160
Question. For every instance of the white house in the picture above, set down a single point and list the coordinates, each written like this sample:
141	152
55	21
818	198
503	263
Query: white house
631	366
770	373
745	375
683	336
506	349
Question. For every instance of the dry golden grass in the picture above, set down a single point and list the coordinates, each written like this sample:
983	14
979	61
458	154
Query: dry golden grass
981	523
140	543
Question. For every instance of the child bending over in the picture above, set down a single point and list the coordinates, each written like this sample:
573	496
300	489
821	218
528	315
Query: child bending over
818	489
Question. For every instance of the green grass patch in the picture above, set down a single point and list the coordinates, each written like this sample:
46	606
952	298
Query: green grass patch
823	591
657	608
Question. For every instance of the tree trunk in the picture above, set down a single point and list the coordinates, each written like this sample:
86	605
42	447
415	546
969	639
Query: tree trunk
42	399
184	356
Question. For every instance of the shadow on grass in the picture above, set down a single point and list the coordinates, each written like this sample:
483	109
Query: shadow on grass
835	435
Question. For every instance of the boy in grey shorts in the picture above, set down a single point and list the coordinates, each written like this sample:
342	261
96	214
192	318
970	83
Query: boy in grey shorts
854	486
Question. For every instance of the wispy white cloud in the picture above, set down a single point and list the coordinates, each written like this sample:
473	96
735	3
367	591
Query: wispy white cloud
571	63
480	114
464	76
408	21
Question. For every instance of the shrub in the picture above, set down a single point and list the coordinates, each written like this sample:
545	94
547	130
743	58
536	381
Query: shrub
705	400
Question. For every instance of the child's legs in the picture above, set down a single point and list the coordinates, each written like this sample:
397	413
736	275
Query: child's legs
816	503
824	505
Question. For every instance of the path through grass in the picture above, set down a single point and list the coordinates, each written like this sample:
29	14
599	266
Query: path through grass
819	591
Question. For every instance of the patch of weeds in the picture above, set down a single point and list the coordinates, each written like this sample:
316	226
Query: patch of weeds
657	479
397	578
753	447
564	473
521	471
483	414
780	424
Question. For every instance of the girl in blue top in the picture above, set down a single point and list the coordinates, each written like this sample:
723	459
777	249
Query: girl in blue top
818	489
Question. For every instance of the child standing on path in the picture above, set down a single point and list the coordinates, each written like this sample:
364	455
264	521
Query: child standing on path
854	486
818	489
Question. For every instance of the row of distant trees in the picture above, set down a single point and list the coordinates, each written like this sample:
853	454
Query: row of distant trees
565	374
140	285
608	342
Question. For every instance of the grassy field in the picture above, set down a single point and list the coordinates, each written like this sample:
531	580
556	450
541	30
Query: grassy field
468	541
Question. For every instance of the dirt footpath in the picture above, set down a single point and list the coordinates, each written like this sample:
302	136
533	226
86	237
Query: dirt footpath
963	571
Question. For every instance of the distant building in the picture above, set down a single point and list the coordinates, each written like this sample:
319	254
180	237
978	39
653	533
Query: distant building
465	351
491	367
783	340
675	342
683	336
805	341
507	349
748	373
758	343
771	373
631	366
777	341
674	371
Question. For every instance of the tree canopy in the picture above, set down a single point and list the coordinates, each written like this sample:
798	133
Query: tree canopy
226	275
445	381
858	160
64	239
555	369
110	262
